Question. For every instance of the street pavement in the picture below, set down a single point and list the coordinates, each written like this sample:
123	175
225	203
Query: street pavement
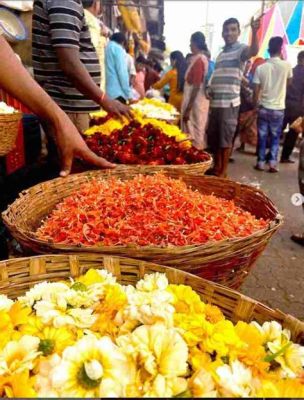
277	278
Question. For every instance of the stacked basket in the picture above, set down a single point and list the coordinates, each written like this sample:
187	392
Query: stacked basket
9	124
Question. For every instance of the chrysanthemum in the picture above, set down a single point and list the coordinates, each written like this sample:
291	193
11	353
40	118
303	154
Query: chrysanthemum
19	356
93	276
235	380
149	283
285	388
161	355
17	386
48	291
93	368
201	384
186	300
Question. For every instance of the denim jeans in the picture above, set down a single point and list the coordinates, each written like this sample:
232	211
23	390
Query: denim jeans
270	122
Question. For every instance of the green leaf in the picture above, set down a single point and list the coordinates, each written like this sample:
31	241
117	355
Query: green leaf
272	357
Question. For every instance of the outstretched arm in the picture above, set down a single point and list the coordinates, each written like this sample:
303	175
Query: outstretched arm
15	80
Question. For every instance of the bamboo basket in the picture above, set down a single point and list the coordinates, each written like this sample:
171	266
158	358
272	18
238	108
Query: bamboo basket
19	275
226	262
9	124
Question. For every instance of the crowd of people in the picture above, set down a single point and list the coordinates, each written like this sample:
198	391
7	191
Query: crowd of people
82	68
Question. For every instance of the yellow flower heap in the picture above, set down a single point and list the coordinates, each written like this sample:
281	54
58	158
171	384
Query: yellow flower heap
93	337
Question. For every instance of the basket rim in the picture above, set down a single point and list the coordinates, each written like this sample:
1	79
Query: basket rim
272	226
165	269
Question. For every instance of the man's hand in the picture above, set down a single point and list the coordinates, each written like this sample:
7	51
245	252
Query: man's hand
116	108
71	145
255	24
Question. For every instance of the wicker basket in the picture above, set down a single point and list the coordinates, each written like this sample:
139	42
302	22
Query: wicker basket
227	262
9	124
18	275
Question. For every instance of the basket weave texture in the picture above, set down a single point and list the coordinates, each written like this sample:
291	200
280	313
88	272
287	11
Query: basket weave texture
226	262
9	124
19	275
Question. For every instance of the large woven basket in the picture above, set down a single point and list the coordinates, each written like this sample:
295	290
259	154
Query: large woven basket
9	124
227	262
18	275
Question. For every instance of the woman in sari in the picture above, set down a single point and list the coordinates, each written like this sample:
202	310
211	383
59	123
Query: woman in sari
175	78
195	104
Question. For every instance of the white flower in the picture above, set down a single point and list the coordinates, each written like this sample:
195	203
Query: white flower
201	384
153	282
5	303
271	331
87	298
43	379
19	356
109	279
93	368
61	315
147	307
48	291
235	380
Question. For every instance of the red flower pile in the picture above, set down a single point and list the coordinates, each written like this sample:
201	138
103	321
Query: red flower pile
137	144
146	210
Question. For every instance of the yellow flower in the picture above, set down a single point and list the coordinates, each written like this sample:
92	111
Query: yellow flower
93	276
253	354
213	314
114	300
19	314
161	355
17	386
201	360
93	368
55	340
6	329
98	114
19	356
186	300
285	388
201	384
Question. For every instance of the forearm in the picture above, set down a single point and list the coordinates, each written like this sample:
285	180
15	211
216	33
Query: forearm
24	88
81	79
254	48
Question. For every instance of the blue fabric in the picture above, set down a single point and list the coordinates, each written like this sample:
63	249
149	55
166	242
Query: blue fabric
269	121
211	65
117	76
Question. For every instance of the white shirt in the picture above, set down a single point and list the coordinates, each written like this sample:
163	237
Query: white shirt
272	77
131	65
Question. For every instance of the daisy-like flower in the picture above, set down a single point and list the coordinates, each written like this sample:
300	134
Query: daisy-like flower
93	368
201	384
271	331
235	380
19	356
161	355
17	386
5	303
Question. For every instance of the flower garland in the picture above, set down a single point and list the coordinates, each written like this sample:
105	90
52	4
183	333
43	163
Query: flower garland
92	337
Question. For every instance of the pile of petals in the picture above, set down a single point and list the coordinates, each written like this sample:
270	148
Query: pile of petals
143	144
146	210
94	338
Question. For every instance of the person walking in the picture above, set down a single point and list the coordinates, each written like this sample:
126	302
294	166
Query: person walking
117	74
270	84
294	108
224	92
175	78
195	106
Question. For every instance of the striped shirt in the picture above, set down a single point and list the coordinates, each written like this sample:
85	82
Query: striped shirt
225	85
58	23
